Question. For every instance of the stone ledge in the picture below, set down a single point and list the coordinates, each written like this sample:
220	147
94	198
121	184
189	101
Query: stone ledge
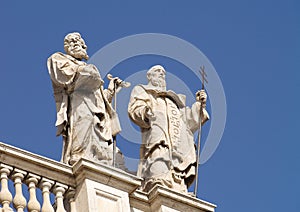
36	164
104	174
159	197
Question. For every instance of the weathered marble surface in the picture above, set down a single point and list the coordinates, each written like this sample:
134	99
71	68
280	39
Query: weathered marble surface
85	117
167	152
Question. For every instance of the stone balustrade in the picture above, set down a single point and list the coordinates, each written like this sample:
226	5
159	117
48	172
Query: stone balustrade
20	169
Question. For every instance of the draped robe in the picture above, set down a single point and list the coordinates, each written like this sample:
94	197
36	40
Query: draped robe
167	152
85	117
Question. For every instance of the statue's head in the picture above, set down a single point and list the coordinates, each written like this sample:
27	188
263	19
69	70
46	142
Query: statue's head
75	46
157	77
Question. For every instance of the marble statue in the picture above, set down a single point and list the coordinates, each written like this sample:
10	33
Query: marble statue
167	152
85	117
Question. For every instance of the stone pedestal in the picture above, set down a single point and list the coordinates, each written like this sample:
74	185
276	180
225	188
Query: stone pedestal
102	188
105	188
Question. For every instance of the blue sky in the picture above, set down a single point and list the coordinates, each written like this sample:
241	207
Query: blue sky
253	45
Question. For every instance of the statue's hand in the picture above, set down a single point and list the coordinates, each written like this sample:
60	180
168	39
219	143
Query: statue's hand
116	81
149	114
201	96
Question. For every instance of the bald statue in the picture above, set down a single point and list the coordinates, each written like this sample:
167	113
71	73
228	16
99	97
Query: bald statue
167	152
85	117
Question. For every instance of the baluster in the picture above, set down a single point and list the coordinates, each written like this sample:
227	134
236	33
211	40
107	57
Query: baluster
33	204
59	190
5	195
46	186
19	200
70	196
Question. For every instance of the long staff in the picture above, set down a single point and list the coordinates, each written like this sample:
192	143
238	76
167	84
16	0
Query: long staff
121	84
203	74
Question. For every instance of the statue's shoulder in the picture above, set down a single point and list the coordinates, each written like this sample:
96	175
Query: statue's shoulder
139	89
141	86
146	88
58	56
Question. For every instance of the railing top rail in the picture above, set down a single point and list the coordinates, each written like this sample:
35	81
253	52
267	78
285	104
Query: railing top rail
36	164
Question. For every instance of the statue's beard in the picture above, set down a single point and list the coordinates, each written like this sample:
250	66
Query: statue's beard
159	83
78	53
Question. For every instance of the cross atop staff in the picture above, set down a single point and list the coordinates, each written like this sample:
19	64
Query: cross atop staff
204	80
